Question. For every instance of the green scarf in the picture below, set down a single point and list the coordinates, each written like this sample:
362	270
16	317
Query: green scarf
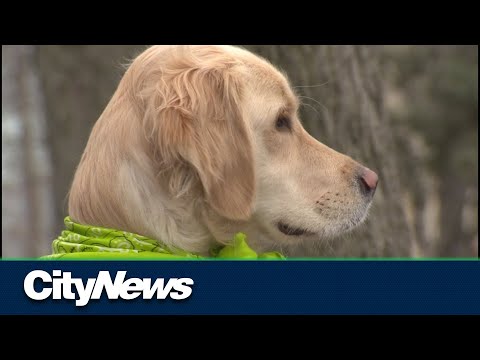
84	242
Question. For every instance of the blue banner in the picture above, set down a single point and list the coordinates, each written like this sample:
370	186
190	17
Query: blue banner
240	287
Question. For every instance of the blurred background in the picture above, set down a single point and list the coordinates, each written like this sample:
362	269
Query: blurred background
408	112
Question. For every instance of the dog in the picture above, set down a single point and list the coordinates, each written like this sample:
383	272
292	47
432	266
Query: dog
200	142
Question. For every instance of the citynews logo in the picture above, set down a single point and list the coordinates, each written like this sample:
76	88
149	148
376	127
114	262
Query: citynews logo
59	285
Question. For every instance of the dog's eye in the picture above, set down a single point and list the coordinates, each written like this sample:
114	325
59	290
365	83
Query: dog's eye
283	123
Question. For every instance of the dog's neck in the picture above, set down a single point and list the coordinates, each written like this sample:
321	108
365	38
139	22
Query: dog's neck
156	214
185	222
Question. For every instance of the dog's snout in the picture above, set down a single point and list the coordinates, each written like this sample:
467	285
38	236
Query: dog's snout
368	181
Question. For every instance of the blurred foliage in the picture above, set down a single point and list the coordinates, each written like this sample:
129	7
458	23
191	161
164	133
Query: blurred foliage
435	109
441	83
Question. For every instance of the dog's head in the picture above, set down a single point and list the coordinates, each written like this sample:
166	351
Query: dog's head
215	130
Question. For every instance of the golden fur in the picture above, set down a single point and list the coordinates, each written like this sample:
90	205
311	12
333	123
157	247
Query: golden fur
187	152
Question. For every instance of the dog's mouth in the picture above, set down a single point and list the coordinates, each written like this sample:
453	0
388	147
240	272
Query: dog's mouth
292	231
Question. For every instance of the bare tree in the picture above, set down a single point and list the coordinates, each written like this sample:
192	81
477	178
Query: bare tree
436	113
27	226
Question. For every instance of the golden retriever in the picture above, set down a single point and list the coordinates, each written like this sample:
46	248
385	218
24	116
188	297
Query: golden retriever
200	142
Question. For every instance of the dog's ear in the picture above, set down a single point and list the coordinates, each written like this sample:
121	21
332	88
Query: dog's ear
195	119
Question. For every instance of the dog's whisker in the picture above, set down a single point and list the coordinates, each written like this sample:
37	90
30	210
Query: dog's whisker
318	102
317	246
330	249
311	108
311	86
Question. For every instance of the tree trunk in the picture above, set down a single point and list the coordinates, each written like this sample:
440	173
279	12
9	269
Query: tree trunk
27	198
344	110
454	241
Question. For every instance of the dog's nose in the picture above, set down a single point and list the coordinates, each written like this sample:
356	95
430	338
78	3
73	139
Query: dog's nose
368	181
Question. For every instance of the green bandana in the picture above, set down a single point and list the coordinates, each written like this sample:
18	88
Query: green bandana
85	242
